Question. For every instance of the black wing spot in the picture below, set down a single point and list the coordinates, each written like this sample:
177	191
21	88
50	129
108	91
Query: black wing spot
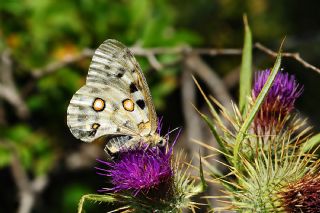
133	88
119	75
141	103
121	72
92	133
94	127
107	67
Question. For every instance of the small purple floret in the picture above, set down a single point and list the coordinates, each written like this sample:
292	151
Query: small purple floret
138	169
280	99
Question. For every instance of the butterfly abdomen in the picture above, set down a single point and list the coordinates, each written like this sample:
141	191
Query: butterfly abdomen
116	143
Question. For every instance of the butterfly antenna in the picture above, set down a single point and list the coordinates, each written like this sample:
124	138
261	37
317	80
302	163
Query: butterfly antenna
169	132
160	123
175	140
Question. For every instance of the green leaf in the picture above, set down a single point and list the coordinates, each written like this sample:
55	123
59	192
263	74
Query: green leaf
5	156
95	197
246	68
215	133
255	108
312	143
203	185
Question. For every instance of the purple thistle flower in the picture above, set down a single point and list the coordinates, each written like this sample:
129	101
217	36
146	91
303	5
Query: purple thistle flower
149	179
279	101
142	168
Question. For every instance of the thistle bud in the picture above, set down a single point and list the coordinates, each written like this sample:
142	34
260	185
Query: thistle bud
302	195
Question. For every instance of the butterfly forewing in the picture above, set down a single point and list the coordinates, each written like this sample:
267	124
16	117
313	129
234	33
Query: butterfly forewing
115	100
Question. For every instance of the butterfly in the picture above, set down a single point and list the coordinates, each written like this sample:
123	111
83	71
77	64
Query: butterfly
115	103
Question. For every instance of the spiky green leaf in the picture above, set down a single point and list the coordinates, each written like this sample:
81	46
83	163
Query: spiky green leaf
312	143
255	108
246	68
95	198
203	184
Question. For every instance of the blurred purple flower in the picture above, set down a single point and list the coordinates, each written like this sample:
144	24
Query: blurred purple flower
142	168
280	99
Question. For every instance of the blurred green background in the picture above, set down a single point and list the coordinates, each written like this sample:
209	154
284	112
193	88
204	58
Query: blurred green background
37	150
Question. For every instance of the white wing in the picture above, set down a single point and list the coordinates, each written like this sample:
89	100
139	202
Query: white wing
115	100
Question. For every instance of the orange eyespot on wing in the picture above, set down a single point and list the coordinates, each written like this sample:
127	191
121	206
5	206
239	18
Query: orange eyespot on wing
95	126
98	105
128	105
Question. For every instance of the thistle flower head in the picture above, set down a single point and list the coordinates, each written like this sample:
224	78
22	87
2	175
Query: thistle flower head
138	169
150	179
279	101
303	195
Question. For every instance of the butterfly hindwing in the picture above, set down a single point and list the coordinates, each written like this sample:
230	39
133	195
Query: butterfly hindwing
115	100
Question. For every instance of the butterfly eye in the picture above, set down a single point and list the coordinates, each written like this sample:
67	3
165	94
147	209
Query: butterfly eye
162	142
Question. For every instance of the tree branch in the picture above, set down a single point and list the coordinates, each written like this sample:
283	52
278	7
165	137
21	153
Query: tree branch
185	50
28	189
191	117
151	53
52	67
295	56
8	88
212	80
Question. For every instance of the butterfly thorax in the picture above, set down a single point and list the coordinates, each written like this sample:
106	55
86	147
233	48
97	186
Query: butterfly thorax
155	139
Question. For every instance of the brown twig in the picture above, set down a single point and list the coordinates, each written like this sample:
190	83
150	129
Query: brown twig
151	53
185	50
23	184
52	67
192	119
212	80
28	189
8	88
295	56
154	62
